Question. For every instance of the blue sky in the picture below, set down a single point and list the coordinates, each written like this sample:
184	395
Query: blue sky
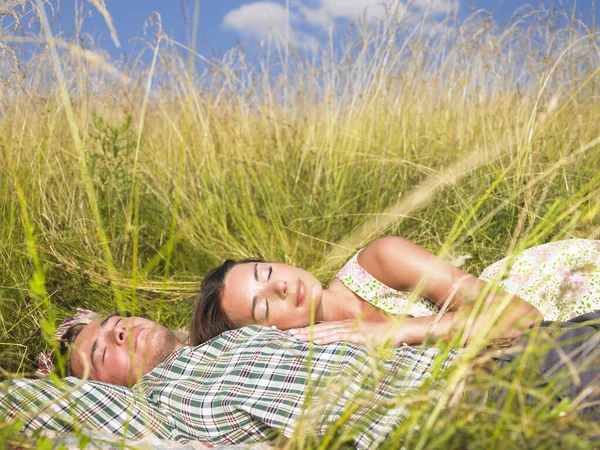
225	23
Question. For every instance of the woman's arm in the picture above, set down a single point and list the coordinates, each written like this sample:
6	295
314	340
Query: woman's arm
462	298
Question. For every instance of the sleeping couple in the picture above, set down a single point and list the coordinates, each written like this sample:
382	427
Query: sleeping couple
244	374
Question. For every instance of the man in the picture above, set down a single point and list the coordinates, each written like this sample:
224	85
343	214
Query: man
249	385
114	349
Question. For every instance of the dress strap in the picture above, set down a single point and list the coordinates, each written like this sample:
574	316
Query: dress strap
370	289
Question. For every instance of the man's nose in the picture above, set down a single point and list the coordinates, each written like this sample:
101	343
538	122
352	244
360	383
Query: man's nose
119	335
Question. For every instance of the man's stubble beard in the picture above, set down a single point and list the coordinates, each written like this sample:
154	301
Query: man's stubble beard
164	342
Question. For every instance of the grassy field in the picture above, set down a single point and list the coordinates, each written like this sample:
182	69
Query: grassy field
123	183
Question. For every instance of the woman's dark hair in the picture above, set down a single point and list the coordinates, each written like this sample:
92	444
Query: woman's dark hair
209	318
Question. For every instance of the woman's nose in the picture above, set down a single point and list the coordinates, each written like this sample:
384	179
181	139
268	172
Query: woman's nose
280	287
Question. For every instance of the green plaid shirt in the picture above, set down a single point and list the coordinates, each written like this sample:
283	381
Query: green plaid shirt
244	386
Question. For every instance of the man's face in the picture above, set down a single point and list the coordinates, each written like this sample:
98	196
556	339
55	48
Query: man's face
119	350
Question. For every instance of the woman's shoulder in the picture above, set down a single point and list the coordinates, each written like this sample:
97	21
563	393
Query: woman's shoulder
396	262
361	274
367	264
383	249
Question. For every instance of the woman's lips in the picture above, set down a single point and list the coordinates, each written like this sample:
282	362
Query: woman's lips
299	293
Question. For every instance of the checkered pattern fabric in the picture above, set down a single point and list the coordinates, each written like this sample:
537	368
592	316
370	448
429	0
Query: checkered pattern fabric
244	386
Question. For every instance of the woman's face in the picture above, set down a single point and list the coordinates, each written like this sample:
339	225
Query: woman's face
270	294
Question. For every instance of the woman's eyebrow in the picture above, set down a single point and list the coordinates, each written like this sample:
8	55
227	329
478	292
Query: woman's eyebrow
254	300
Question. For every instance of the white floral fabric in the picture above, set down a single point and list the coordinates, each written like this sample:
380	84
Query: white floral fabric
561	279
369	288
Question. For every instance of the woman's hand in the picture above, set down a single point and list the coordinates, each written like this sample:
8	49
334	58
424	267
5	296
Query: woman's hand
357	332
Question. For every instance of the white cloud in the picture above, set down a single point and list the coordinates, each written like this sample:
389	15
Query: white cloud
259	19
318	17
326	12
437	6
355	8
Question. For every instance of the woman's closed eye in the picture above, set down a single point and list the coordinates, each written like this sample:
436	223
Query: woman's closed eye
268	272
260	306
260	309
263	309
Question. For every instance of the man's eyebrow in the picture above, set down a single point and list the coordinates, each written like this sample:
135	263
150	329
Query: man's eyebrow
256	271
95	344
107	318
94	348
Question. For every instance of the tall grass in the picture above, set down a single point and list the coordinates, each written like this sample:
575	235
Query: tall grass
124	182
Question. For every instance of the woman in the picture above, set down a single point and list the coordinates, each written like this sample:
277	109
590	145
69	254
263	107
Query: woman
377	282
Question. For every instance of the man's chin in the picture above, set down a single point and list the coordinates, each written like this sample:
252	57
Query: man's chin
162	345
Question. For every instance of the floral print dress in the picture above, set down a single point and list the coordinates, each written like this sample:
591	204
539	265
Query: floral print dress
561	279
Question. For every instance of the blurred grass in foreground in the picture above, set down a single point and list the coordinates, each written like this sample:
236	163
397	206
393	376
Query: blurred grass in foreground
122	184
